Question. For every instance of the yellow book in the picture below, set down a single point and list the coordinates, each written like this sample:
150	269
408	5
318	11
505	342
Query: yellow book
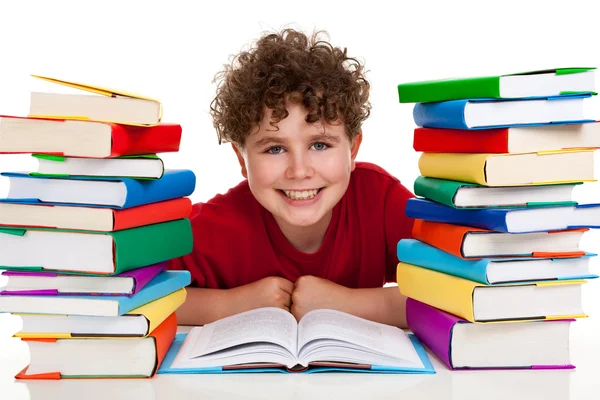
511	169
476	302
139	322
112	105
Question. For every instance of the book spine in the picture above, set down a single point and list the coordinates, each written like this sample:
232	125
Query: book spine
438	190
173	184
435	140
136	140
490	219
433	327
446	292
446	114
414	252
446	237
449	89
151	244
153	213
164	335
468	168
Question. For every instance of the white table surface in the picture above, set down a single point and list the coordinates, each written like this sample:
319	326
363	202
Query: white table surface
582	383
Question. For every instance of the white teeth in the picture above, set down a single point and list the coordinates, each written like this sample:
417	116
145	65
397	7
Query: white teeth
301	194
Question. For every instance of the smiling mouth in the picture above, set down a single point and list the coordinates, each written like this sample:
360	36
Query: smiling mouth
300	194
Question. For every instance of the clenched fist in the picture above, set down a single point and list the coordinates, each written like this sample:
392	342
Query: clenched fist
312	293
271	291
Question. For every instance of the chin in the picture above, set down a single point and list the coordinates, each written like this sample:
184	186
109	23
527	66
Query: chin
302	221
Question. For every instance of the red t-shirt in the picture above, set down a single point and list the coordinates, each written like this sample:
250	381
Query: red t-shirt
237	241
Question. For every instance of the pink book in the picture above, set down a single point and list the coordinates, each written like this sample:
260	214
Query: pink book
443	334
51	284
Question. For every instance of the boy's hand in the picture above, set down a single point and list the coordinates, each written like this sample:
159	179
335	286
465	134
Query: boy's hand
312	293
271	291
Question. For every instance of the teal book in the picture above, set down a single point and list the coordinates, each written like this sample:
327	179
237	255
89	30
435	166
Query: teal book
550	82
491	271
471	195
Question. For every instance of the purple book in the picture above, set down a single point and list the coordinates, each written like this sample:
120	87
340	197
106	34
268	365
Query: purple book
443	334
125	284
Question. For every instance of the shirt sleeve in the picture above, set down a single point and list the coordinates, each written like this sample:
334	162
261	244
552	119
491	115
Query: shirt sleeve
189	263
193	262
397	225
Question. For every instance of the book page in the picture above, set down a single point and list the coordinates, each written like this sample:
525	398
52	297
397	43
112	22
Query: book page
270	324
354	332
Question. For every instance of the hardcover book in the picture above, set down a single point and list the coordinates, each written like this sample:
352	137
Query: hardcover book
463	345
270	340
550	82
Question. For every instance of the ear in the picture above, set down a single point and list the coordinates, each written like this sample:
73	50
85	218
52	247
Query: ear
354	148
241	160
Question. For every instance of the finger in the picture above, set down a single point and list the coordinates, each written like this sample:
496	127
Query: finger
287	308
287	286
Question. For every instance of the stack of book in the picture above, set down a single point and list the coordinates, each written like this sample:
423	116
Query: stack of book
497	230
86	238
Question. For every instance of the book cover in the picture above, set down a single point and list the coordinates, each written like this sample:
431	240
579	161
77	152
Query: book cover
444	191
163	336
417	253
434	328
467	87
154	313
173	184
495	219
450	238
140	277
453	294
133	248
451	114
100	90
478	168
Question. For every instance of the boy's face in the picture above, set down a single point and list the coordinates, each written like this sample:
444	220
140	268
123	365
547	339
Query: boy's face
300	172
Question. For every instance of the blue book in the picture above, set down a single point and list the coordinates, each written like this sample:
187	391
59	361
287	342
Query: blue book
494	270
117	193
162	285
509	220
502	113
292	347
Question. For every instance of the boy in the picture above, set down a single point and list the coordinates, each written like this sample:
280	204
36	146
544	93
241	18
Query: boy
309	228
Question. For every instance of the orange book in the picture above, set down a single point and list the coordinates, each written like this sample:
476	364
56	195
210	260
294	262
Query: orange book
100	358
470	243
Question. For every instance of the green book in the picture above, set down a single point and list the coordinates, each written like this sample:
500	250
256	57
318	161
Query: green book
108	253
550	82
469	195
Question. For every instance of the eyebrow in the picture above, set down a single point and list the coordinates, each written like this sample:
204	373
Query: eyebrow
272	139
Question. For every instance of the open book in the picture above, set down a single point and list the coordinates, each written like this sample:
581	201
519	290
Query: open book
270	338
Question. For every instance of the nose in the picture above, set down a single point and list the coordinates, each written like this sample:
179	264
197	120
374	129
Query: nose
299	166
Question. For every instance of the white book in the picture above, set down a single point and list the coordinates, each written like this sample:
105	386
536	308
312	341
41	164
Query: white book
271	337
117	109
510	345
127	167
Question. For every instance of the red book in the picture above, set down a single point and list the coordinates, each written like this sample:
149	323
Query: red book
523	139
82	138
93	218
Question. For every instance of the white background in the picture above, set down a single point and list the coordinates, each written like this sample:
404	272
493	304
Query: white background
171	50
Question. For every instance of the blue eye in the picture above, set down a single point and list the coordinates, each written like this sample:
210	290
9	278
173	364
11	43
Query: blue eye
275	150
320	146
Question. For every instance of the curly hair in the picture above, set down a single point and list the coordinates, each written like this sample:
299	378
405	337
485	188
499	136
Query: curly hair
289	65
